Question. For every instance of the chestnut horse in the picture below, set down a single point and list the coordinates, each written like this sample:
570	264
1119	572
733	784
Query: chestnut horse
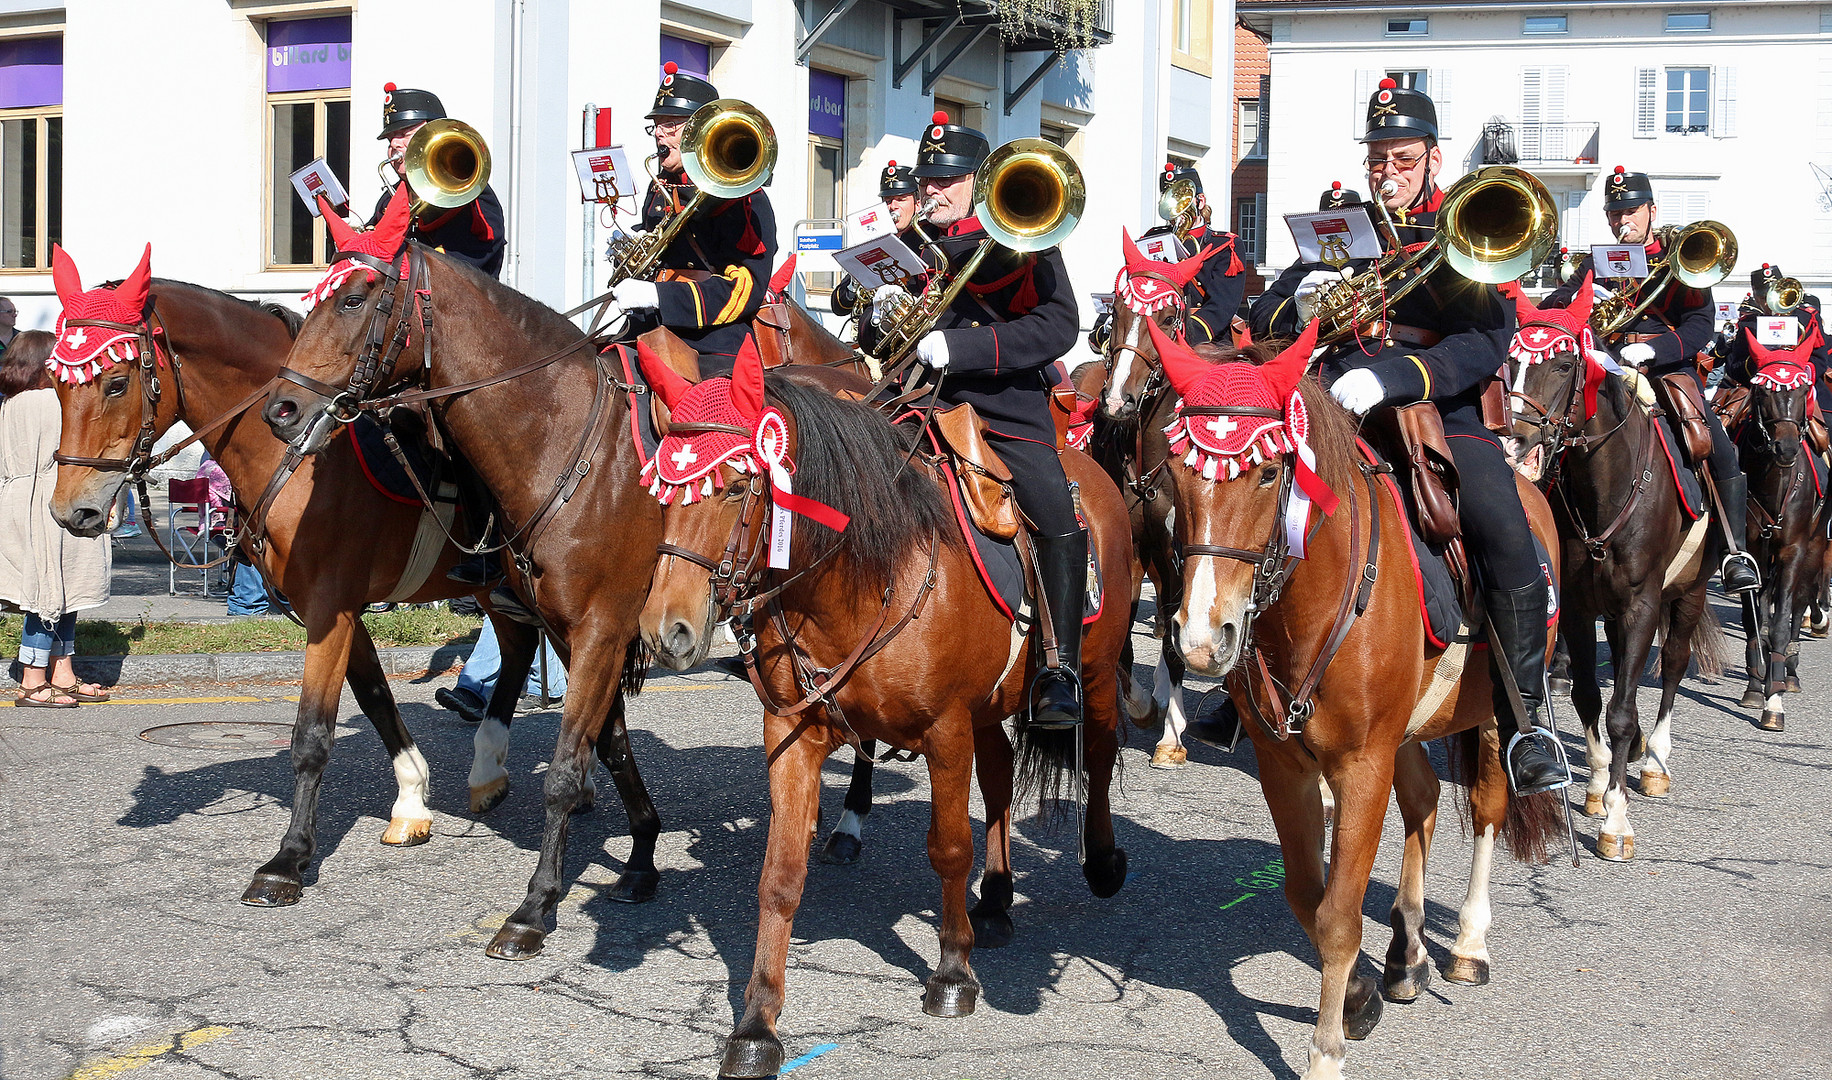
883	632
216	356
1630	554
1269	622
1787	526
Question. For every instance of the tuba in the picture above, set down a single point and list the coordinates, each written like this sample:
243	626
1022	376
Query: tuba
1177	206
1029	195
1697	256
728	150
1493	226
446	164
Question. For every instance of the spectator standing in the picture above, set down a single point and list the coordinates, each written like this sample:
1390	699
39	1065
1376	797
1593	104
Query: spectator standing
247	590
45	572
9	316
478	679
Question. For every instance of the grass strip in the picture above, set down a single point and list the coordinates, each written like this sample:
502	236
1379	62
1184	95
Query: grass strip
103	637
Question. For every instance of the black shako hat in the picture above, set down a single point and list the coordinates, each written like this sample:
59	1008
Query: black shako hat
402	109
1395	112
949	149
896	180
1626	190
1174	172
680	94
1760	280
1338	197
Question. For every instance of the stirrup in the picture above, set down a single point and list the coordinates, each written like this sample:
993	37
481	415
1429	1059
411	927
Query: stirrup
1558	754
1042	680
1746	559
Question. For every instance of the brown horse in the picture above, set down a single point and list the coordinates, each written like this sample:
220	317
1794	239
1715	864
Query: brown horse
1270	623
882	632
216	355
1630	554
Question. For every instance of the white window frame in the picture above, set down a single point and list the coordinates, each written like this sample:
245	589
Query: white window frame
1416	26
41	115
1686	91
1252	131
1250	228
1671	29
1526	25
320	100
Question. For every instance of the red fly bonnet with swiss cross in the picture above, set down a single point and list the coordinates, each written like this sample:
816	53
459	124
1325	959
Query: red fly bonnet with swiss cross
83	352
385	243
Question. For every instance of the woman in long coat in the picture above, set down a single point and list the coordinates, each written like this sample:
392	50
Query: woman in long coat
45	572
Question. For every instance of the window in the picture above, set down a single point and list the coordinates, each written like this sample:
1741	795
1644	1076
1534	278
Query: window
1688	22
1248	215
1412	80
1251	144
1408	27
1191	36
959	112
1055	133
691	57
1544	24
826	156
31	151
1688	100
308	117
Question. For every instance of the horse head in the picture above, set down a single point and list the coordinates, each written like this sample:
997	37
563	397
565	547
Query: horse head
1555	378
1147	293
356	313
1234	460
1779	388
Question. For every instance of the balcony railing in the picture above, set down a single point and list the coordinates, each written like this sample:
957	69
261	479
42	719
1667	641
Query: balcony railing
1050	19
1530	144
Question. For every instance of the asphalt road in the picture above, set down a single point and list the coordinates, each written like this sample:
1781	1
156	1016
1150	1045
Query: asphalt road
123	949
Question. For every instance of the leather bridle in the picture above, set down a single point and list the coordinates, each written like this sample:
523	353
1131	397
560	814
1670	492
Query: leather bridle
1769	440
380	351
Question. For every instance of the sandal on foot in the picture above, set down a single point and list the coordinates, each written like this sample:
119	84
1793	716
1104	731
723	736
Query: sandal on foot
40	697
76	691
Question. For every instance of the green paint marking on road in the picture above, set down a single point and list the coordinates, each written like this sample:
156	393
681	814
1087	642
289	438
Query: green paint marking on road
1265	879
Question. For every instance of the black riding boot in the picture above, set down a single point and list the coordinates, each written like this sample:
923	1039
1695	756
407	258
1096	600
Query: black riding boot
1220	729
476	571
1739	572
1532	759
1062	566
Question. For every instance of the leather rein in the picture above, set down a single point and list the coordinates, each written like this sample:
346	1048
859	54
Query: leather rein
1143	486
1768	428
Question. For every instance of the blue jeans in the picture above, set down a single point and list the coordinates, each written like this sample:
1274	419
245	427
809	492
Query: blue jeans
248	596
39	643
479	674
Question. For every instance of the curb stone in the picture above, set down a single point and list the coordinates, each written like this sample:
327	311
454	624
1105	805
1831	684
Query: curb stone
249	667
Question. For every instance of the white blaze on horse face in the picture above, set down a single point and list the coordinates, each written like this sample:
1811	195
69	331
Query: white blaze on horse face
1122	366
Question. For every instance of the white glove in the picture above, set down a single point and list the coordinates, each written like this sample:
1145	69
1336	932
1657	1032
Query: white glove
636	295
884	300
1637	353
1307	291
1358	391
933	350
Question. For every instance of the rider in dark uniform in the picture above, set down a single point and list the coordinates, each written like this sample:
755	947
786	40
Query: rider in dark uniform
1738	367
1214	296
472	233
897	189
1667	338
715	273
1442	342
995	348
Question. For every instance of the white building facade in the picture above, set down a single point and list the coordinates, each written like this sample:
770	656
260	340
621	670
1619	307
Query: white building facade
175	121
1727	106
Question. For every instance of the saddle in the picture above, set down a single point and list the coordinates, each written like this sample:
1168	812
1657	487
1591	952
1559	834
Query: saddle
1686	404
1411	437
985	480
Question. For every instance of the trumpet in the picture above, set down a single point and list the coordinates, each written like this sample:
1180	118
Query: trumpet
728	150
446	164
1697	256
1029	196
1493	226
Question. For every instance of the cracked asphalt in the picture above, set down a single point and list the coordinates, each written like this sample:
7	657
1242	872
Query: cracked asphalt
123	948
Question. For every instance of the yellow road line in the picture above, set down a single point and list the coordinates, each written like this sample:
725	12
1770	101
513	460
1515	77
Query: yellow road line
142	1055
230	700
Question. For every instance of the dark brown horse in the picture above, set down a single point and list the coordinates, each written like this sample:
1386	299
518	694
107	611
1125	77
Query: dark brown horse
1269	624
217	356
1631	554
1787	527
892	626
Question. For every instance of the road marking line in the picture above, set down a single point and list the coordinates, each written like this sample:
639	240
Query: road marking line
243	700
142	1055
791	1066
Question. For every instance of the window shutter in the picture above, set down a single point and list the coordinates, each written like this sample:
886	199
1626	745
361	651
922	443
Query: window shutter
1647	102
1438	86
1265	113
1365	82
1724	105
1260	226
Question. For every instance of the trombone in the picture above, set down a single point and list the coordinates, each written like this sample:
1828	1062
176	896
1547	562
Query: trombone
728	150
1493	226
446	164
1697	256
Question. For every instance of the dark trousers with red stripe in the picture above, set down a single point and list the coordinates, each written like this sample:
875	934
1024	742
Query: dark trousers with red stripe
1495	531
1038	482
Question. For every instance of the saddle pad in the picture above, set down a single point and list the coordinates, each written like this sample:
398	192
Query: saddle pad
1000	570
642	413
381	468
1691	496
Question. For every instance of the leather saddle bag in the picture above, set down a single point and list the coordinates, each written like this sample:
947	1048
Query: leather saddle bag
1063	400
1730	404
1496	416
1687	405
771	329
985	479
1816	426
1432	472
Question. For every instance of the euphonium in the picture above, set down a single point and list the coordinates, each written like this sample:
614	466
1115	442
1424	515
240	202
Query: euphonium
1697	256
1783	296
1178	207
1029	196
1493	226
446	163
728	150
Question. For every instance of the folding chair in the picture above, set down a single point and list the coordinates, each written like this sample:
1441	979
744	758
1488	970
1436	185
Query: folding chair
192	526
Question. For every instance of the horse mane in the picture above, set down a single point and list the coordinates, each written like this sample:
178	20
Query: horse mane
527	313
848	457
289	318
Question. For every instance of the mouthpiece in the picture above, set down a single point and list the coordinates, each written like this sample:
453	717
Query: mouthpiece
1622	232
927	207
1389	188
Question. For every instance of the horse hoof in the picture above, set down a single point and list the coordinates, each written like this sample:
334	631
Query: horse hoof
272	890
407	832
1772	721
1752	697
1793	684
950	998
1655	785
516	941
490	796
1615	848
841	849
1593	805
634	887
1170	757
992	927
1559	685
1106	873
586	804
1361	1007
1405	987
1467	970
752	1056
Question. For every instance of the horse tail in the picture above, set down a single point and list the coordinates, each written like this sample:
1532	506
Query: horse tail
635	667
1531	823
1046	757
1709	645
